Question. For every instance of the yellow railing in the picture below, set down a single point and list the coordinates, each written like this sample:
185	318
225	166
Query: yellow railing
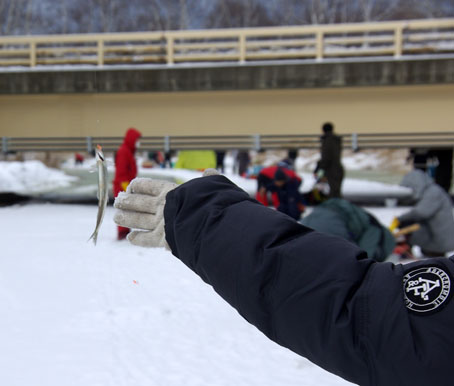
388	39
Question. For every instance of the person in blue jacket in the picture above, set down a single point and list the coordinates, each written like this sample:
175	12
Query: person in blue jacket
318	295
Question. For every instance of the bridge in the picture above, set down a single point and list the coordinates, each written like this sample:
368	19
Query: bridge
383	78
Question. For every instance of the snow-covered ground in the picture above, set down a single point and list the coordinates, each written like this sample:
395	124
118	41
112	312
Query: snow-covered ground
76	315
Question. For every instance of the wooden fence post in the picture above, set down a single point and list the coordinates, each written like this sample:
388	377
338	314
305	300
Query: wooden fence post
32	54
398	41
100	52
319	45
170	53
242	47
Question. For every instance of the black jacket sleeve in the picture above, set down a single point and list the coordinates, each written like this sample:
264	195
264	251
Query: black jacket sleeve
315	294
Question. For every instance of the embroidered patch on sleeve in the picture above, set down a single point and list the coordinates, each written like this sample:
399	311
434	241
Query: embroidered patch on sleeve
427	289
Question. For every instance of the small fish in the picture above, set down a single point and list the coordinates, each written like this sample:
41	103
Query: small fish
103	194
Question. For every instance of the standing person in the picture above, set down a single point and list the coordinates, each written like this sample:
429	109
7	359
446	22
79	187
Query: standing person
432	211
318	295
330	160
292	155
243	162
220	155
125	168
443	172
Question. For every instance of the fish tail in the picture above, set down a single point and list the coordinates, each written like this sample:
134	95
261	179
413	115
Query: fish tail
94	236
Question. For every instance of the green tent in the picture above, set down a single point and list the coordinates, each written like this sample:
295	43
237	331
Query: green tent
340	217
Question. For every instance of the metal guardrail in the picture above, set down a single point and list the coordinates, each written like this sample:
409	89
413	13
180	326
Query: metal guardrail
240	45
352	141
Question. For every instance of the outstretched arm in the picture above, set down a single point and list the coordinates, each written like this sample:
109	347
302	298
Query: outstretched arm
315	294
297	286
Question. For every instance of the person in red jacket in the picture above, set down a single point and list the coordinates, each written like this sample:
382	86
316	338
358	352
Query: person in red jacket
125	168
283	184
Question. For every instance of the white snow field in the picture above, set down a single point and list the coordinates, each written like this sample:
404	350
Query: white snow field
76	314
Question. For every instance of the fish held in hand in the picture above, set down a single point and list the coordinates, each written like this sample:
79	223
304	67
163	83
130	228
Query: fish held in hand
103	194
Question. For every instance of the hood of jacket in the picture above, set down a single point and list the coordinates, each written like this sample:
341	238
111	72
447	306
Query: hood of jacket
418	181
131	137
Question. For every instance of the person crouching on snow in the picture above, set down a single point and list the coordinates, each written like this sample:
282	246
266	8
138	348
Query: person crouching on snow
433	213
283	184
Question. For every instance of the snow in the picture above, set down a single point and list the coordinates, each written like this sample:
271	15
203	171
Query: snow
31	177
350	187
445	46
74	314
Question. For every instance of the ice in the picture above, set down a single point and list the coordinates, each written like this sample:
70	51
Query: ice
115	314
76	315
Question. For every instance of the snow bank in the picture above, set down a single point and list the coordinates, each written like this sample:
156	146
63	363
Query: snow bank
30	177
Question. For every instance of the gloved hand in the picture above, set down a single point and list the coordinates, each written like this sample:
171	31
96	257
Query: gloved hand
394	224
141	208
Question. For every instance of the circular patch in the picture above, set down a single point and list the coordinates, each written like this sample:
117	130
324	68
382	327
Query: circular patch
426	289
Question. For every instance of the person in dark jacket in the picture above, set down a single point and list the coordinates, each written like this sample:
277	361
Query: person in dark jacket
243	160
125	168
220	155
330	165
318	295
287	190
340	217
283	185
443	172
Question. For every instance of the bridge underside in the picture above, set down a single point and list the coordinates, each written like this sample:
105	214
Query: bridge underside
368	96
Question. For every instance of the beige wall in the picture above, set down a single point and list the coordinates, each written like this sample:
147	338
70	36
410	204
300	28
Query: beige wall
380	109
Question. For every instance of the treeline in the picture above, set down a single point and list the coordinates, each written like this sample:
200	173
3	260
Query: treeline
24	17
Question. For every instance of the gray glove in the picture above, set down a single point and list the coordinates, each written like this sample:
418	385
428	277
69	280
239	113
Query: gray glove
141	207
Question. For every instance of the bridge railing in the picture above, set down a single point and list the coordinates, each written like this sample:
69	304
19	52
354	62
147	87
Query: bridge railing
353	141
241	45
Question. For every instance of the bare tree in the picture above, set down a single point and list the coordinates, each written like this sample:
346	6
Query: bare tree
28	16
79	16
183	24
236	13
10	6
